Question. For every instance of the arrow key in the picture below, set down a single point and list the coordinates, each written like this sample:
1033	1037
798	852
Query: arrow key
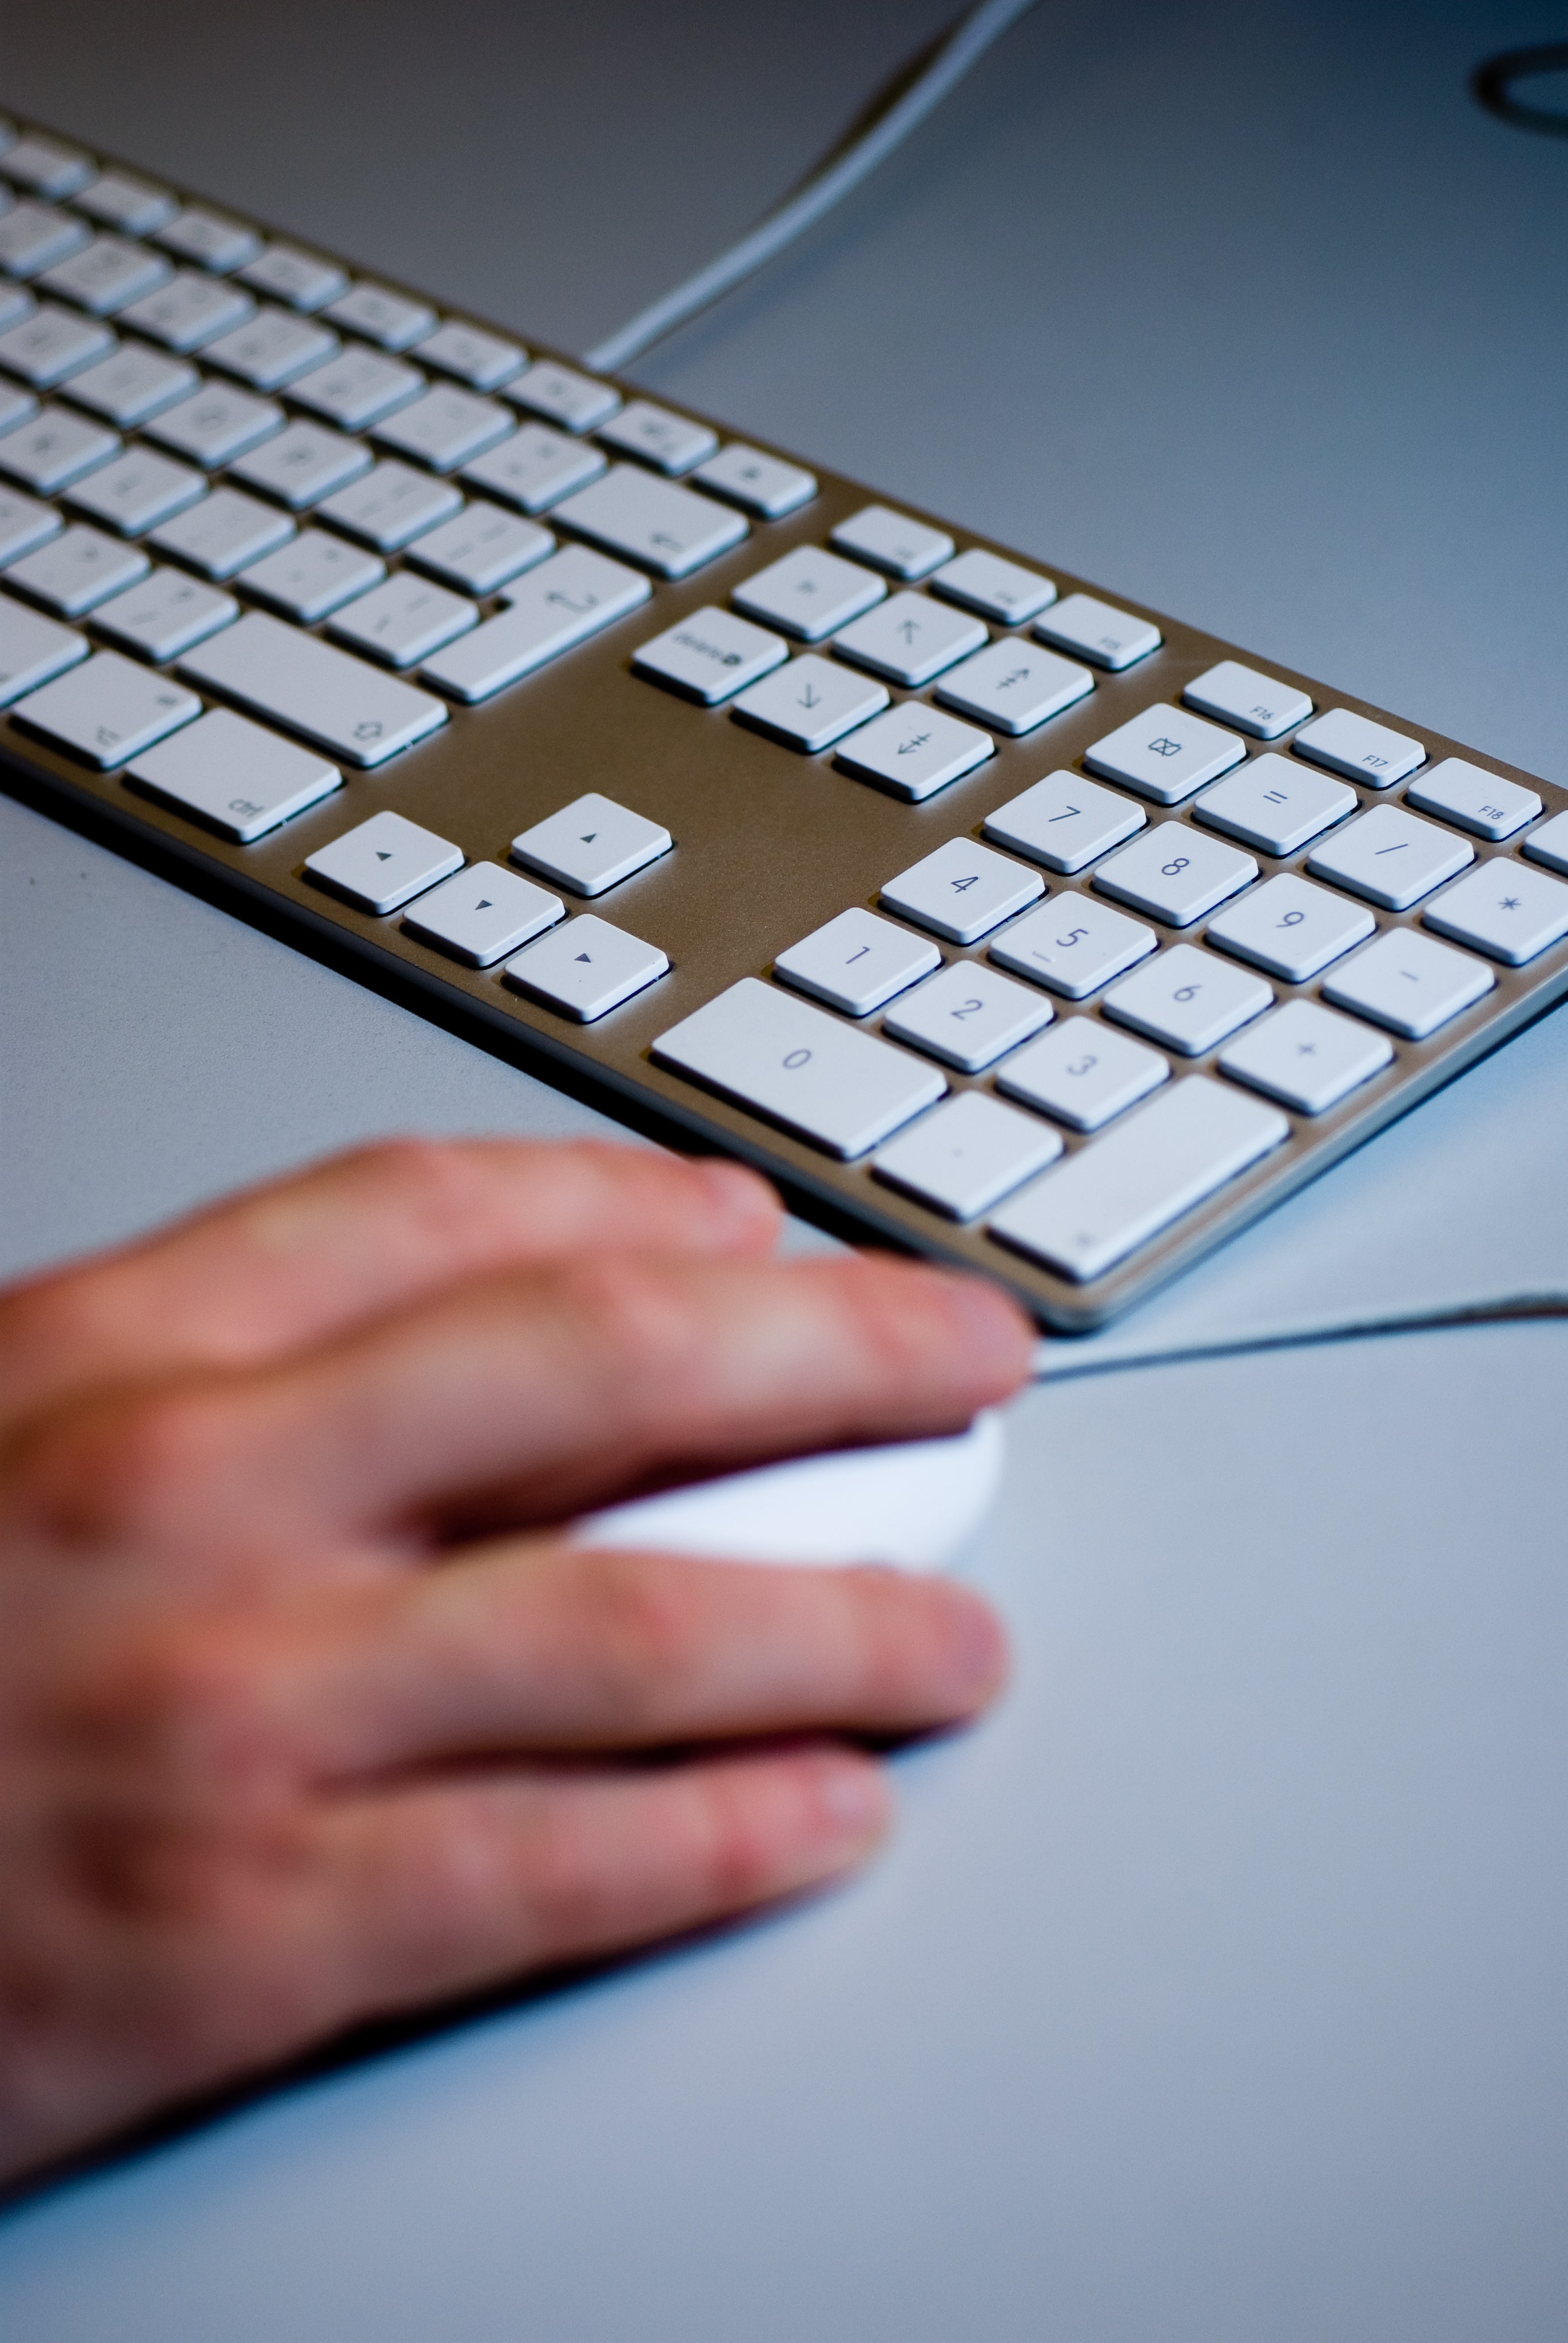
585	969
384	863
592	844
811	703
484	913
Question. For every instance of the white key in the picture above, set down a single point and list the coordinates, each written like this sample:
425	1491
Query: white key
915	750
764	485
710	655
352	710
909	638
1073	944
481	360
809	704
48	169
232	774
800	1066
963	890
672	531
1084	1073
311	576
906	549
592	844
576	401
51	344
1188	1000
1292	928
133	207
968	1015
672	444
445	428
1503	908
998	589
357	388
1361	750
302	279
483	913
1105	637
1255	703
385	318
216	424
166	614
481	549
224	533
16	406
15	302
1307	1057
211	239
133	383
137	490
302	464
1014	686
1065	822
857	961
1549	844
105	274
390	504
32	650
810	593
107	709
1164	754
565	600
585	969
1477	801
536	468
1408	983
55	448
1275	805
383	862
1391	856
968	1156
1175	873
188	312
23	523
33	236
270	348
405	620
1112	1197
78	570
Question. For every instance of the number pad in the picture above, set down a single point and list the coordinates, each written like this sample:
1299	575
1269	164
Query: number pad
968	1016
1175	873
968	1156
1073	944
963	890
1188	1000
1164	754
857	961
1292	928
1065	822
1084	1073
1275	805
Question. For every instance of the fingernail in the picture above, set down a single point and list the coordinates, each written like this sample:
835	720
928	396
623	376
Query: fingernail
854	1796
737	1197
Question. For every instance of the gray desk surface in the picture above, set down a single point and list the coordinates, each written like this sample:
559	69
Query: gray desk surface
1213	1989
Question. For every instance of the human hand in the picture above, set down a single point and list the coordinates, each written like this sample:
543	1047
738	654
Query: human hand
306	1718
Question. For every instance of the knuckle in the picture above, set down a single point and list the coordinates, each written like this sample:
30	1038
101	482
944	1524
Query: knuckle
186	1707
431	1179
644	1635
638	1317
122	1464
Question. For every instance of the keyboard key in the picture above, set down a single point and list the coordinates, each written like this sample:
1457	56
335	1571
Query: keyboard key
224	533
963	890
672	444
808	593
909	638
23	523
968	1015
383	862
669	530
230	773
1175	873
188	312
1408	983
1549	844
479	548
107	709
809	704
480	361
800	1066
357	388
758	484
484	913
1110	1198
299	278
350	710
1503	908
1073	944
15	303
1014	686
1188	1000
51	344
1065	822
1475	800
445	428
103	275
137	490
270	348
857	961
210	239
536	468
55	448
405	620
1255	703
302	463
710	655
1106	638
1361	750
1307	1057
131	384
216	424
16	406
914	751
1292	928
576	401
968	1156
585	969
311	575
133	207
1391	856
385	318
998	589
1164	754
391	503
565	600
33	236
32	650
74	571
1275	805
592	844
1084	1073
165	615
891	541
47	168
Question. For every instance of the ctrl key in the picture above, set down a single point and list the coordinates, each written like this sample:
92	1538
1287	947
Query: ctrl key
231	774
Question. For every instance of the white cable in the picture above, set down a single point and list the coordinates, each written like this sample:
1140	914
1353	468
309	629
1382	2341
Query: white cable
963	48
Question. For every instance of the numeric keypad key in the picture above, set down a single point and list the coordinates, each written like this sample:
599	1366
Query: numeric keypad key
967	1015
963	890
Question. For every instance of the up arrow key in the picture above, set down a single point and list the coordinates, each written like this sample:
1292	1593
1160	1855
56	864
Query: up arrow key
484	904
585	956
382	855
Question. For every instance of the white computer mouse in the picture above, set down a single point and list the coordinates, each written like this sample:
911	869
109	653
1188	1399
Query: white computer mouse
914	1502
